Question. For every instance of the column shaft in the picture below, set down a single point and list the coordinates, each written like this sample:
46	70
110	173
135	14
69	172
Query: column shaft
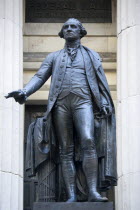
11	113
128	105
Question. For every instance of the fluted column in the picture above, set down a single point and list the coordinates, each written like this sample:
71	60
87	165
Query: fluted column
11	114
128	103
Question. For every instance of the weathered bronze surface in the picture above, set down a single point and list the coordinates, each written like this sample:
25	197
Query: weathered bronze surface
56	11
77	131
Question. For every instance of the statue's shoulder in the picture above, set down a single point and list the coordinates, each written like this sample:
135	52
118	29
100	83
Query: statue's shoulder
54	54
94	53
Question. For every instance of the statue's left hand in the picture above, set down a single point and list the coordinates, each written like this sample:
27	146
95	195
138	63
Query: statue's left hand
107	110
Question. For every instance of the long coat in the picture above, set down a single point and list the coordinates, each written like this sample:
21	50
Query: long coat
55	65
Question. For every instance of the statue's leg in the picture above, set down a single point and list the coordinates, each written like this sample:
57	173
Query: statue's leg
84	124
90	167
63	124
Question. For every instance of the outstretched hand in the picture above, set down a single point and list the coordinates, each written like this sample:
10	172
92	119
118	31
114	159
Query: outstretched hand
18	95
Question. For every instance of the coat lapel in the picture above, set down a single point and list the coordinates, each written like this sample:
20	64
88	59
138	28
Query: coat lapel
91	77
59	68
96	60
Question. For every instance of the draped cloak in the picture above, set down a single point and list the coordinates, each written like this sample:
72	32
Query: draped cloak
41	140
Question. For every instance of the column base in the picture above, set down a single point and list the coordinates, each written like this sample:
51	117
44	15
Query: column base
73	206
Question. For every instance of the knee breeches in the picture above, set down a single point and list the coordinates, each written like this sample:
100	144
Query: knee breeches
73	113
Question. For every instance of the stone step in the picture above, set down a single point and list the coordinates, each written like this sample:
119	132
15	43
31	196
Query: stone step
73	206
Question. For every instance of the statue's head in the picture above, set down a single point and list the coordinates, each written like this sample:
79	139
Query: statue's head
72	30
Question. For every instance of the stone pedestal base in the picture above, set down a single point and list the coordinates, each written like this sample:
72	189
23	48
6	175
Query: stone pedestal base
73	206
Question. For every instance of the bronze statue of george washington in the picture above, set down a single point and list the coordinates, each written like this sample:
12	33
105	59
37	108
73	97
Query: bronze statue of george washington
80	105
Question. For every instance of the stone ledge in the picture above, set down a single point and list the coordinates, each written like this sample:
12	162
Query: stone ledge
40	56
73	206
34	66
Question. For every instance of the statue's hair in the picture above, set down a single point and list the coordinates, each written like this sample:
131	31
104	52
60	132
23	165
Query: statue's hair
83	31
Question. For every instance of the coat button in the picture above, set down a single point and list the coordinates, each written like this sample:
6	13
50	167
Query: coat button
61	72
64	55
51	99
63	60
56	86
61	66
59	79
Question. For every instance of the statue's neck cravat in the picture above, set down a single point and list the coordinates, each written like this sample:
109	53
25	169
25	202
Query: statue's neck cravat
72	51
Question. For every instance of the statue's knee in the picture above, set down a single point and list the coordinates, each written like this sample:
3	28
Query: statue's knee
66	153
88	144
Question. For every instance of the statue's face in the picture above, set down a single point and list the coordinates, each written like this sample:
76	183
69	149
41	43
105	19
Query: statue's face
71	30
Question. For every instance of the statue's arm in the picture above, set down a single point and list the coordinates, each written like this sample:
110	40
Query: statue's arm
36	81
40	77
106	100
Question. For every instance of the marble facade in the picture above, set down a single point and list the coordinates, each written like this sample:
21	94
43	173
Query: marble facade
37	38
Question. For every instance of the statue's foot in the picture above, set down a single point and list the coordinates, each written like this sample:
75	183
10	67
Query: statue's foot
96	197
71	200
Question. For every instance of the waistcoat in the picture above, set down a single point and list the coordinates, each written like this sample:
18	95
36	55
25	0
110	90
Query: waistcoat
75	79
